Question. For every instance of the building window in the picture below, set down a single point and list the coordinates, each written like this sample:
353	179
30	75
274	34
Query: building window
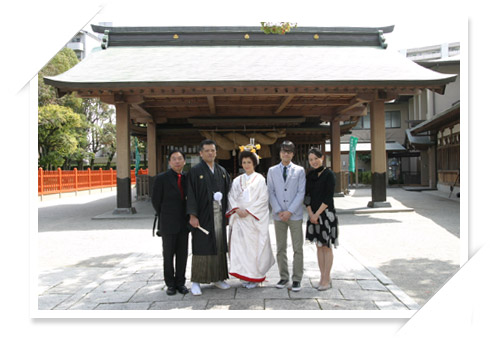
393	119
363	123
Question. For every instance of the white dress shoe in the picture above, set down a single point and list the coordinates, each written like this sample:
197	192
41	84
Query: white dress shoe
196	289
222	285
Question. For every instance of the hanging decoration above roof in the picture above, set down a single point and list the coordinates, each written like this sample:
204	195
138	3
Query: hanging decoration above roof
273	28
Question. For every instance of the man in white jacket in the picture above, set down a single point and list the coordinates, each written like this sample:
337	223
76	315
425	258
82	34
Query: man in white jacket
286	184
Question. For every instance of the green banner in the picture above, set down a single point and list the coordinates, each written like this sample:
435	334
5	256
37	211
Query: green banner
138	157
352	154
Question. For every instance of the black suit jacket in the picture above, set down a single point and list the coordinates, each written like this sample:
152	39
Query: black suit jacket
168	204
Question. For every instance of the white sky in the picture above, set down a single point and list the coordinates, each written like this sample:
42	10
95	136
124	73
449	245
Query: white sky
414	27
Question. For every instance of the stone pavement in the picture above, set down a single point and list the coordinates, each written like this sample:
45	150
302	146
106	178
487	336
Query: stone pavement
135	281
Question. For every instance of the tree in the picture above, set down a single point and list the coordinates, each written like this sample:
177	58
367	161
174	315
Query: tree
109	141
98	115
61	62
93	112
58	134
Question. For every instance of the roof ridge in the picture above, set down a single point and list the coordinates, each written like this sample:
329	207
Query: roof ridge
230	29
241	36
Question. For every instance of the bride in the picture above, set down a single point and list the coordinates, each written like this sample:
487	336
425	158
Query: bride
250	248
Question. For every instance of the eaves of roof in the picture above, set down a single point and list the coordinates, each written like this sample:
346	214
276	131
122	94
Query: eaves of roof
418	141
442	119
454	60
241	66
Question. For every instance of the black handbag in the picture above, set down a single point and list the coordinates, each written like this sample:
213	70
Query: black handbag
155	222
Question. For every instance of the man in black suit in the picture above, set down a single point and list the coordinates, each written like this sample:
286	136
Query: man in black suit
168	199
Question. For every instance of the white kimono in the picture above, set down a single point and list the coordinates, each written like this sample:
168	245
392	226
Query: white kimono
250	248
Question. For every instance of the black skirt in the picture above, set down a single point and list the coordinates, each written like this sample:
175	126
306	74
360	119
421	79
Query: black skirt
326	232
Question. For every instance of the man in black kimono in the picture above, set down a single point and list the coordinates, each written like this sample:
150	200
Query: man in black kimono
168	199
207	200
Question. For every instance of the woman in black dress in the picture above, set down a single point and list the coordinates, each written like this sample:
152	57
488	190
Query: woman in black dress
322	224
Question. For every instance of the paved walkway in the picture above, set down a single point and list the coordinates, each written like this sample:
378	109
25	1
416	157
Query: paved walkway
134	281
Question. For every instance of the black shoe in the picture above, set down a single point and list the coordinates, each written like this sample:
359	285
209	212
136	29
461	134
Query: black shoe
171	291
296	286
182	289
281	284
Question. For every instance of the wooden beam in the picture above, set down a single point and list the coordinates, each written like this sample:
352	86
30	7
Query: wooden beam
245	121
116	98
212	105
366	96
355	112
204	91
243	112
228	104
386	95
325	118
141	110
355	102
156	120
365	93
109	99
284	102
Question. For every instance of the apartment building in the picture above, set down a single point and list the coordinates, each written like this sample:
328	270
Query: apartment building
435	120
422	131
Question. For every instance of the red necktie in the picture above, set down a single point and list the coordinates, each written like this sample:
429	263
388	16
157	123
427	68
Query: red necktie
179	183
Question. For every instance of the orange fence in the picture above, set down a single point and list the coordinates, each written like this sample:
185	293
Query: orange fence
58	181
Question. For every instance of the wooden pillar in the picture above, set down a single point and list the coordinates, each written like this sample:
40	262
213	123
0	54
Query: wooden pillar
335	152
159	155
378	155
432	151
424	168
357	169
322	150
151	137
123	161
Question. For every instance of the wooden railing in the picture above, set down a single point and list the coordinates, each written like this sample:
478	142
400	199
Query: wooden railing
58	181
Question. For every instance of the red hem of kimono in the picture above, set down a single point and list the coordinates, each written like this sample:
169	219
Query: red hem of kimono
231	212
241	277
252	215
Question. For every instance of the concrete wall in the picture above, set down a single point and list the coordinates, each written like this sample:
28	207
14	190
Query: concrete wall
452	92
392	134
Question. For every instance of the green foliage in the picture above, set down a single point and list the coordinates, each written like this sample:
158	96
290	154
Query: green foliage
98	115
366	158
61	62
94	114
109	142
397	181
58	134
274	28
365	177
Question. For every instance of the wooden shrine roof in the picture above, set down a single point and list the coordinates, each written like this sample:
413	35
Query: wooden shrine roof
236	77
